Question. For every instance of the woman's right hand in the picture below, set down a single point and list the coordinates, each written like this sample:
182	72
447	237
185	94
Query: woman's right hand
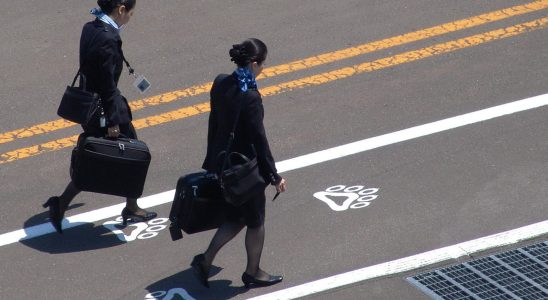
113	132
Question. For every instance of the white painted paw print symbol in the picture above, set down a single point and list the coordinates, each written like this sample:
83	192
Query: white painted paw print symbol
141	231
169	295
353	197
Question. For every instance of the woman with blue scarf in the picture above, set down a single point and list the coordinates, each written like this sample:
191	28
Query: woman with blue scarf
101	61
230	94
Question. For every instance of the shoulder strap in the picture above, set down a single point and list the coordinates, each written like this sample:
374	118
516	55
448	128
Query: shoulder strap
79	73
90	47
231	137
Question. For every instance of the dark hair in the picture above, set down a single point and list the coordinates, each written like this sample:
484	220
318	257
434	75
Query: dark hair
250	50
107	6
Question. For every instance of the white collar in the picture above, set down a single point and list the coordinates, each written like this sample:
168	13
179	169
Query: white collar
107	19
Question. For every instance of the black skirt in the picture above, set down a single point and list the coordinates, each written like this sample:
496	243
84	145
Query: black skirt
251	213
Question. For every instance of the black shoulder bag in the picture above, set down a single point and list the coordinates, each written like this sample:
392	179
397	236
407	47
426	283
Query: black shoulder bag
239	177
78	104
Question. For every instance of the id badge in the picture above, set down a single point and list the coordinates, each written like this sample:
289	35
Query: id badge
141	83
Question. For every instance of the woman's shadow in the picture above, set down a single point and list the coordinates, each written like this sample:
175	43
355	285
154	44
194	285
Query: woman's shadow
184	285
82	237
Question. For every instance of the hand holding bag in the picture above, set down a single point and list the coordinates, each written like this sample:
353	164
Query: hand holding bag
239	178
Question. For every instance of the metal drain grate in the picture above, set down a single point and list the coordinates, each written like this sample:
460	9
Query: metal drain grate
516	274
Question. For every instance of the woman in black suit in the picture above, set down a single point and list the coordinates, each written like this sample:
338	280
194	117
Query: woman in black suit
101	61
229	94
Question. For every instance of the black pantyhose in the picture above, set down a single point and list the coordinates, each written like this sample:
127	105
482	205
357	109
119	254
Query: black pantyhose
71	191
254	241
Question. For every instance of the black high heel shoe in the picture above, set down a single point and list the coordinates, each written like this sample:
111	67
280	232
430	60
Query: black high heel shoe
250	280
200	270
127	214
55	216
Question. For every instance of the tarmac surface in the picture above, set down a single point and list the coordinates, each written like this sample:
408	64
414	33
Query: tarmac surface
337	72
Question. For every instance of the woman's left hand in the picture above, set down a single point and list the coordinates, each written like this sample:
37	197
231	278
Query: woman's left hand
281	187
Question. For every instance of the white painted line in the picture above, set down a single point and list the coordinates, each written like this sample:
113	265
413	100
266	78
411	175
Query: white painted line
411	263
84	218
412	133
300	162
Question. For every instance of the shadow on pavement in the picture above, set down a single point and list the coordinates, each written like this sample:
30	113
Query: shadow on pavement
83	237
184	285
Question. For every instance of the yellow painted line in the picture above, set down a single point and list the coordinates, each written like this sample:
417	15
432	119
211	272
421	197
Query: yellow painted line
315	80
406	38
304	63
171	116
38	149
135	105
407	57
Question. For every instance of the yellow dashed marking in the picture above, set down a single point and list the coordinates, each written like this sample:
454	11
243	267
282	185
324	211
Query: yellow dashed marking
315	80
303	64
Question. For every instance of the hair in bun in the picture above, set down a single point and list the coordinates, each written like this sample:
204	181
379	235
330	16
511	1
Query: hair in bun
107	6
250	50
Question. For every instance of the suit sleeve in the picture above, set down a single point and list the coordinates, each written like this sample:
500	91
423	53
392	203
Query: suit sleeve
211	133
116	108
253	115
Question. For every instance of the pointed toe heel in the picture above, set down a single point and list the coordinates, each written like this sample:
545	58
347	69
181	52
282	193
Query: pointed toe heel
125	216
55	215
129	215
250	281
200	269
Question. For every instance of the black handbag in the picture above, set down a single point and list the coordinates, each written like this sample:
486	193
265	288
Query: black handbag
80	105
239	178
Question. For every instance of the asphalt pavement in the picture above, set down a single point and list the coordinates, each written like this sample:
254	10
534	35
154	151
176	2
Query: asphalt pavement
337	72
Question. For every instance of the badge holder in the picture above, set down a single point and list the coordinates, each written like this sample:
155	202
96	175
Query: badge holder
141	83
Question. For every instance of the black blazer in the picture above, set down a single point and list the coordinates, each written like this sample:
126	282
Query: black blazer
101	61
249	136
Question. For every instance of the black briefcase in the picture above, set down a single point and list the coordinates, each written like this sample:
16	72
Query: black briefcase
110	166
198	205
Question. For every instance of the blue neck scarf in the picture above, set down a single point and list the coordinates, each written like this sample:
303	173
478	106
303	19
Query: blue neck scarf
99	14
246	79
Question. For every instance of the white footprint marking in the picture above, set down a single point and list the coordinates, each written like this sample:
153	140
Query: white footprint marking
351	194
